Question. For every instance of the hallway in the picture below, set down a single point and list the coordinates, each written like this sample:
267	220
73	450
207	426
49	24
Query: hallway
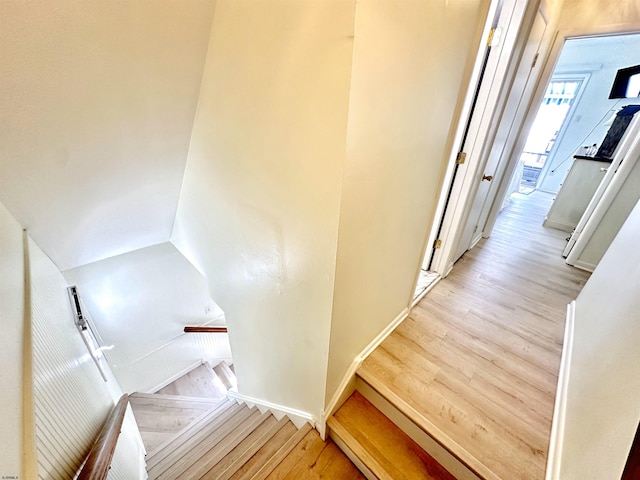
475	365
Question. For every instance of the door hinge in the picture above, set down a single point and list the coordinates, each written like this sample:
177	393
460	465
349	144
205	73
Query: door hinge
535	60
462	156
437	244
494	37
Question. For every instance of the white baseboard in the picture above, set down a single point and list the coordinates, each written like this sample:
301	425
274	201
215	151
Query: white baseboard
298	417
589	267
554	457
425	291
558	226
346	386
342	393
383	334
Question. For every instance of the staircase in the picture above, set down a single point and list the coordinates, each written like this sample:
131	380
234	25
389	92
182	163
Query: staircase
380	436
380	448
191	430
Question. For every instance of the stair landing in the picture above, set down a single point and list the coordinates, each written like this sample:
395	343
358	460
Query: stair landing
475	365
202	381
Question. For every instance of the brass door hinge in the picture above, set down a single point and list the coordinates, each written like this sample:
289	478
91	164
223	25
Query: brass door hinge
437	244
494	37
462	156
535	60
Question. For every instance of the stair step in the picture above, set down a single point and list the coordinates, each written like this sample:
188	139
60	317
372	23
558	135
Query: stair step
141	397
160	417
207	454
314	458
237	457
276	459
199	382
179	438
226	375
380	445
191	437
266	452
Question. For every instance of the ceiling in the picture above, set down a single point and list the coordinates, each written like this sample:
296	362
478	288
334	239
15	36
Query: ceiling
97	101
600	51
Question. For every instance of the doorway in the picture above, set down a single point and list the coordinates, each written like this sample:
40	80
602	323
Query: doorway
585	70
547	129
572	120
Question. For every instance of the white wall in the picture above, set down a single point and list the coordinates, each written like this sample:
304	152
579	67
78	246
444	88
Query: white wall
408	74
258	213
71	398
98	100
140	302
12	325
602	408
600	58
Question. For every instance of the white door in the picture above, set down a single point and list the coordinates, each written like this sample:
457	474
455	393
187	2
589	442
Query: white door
487	178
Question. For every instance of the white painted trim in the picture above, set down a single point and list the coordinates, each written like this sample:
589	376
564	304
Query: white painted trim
584	266
554	458
583	77
425	291
350	374
520	120
624	160
130	424
557	225
29	464
458	135
344	390
383	334
298	417
484	123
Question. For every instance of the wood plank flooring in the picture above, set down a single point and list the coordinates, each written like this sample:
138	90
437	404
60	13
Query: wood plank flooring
476	362
314	459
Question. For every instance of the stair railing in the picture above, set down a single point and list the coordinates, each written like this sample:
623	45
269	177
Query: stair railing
205	329
99	460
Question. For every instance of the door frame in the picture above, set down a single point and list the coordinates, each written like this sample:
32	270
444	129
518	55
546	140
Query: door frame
583	77
558	40
461	181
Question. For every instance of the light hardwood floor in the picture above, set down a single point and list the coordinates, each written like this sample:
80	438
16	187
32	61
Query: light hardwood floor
314	459
476	362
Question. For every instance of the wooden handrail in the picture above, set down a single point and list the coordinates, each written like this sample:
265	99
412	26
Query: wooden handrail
99	460
205	329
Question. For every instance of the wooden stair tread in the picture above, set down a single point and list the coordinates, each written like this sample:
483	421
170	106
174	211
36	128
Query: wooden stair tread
269	466
313	458
220	413
385	449
162	416
249	469
199	382
237	457
192	440
205	455
159	397
368	374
